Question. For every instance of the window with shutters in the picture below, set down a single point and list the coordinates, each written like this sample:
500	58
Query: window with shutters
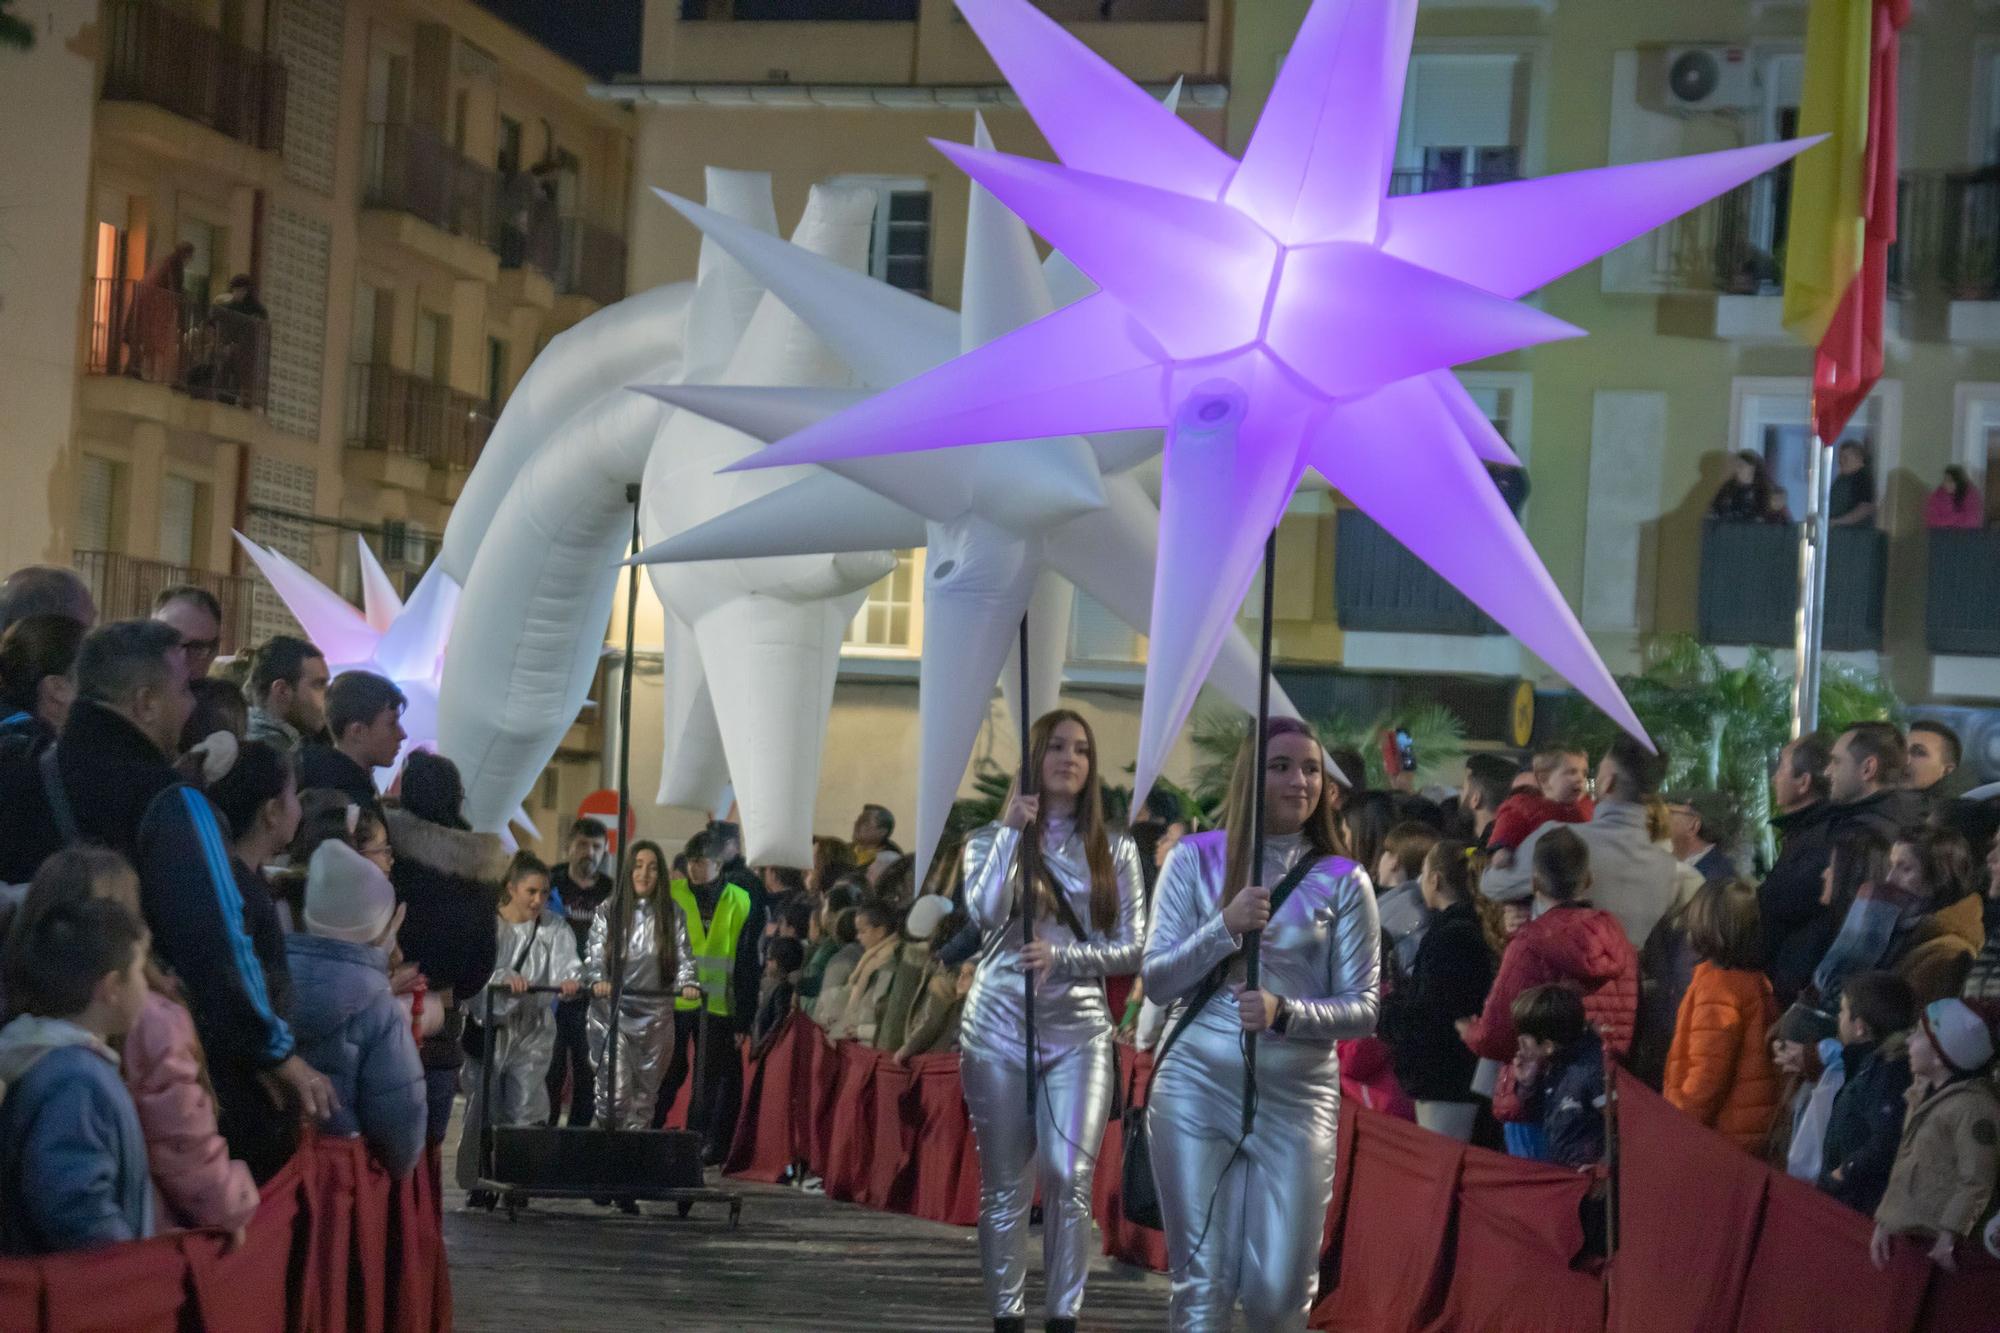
900	246
1096	635
1465	120
99	491
180	518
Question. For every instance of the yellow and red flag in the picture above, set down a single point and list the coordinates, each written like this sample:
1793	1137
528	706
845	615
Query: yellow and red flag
1844	202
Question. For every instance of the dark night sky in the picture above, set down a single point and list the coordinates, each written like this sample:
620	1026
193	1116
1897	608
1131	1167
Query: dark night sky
600	35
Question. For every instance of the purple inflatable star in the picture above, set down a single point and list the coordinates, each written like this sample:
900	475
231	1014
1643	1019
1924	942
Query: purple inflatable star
1274	314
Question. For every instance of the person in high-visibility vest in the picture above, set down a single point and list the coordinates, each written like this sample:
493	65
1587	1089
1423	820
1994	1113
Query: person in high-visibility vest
722	927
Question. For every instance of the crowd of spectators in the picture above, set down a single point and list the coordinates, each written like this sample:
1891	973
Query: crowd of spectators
220	932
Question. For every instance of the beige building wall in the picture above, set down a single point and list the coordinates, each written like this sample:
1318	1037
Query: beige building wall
41	264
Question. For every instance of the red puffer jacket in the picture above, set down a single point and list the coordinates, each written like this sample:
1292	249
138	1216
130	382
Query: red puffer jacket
1574	944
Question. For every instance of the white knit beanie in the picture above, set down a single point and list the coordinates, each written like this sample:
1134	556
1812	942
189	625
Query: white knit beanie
925	915
1961	1035
347	895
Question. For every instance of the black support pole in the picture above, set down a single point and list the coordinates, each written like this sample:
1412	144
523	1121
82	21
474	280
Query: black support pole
1027	785
1253	943
620	924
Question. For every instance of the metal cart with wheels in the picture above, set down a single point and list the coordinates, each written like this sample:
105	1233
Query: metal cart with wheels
522	1162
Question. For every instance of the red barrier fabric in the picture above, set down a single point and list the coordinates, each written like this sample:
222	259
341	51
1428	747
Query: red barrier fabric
1683	1191
335	1244
1517	1231
1401	1183
946	1187
887	1184
851	1123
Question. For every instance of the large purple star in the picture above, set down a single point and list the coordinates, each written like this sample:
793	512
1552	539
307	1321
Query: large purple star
1274	314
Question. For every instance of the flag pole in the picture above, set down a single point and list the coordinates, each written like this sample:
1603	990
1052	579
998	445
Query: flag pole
1809	627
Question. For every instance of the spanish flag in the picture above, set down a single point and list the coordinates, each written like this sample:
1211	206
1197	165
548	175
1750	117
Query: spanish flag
1844	202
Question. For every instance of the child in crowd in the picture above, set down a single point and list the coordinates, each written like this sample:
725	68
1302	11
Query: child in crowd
779	992
1399	899
348	1023
1448	979
1559	1070
1871	1068
1560	795
1942	1182
198	1184
535	948
73	1172
1719	1068
1570	942
845	935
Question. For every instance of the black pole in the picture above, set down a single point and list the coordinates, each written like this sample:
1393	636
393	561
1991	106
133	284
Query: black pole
1253	942
619	923
1021	866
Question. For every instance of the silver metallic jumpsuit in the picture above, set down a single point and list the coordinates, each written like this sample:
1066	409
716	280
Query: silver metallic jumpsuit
522	1038
645	1023
1076	1071
1257	1205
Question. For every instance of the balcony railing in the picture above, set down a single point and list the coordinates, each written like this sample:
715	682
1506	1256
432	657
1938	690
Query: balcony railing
393	411
529	229
1379	586
160	56
124	587
1964	589
1430	179
410	169
164	337
1749	588
1735	244
905	11
592	262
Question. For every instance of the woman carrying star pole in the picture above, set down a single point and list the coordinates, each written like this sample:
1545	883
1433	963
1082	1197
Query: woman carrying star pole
1085	900
1244	1211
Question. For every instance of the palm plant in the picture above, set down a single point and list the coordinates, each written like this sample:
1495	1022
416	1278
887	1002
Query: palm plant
1435	733
1722	727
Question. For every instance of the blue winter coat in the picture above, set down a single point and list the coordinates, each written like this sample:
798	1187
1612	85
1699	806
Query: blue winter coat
72	1155
350	1028
1569	1103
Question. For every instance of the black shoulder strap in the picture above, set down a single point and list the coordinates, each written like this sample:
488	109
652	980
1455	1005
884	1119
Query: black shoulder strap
1064	912
1212	983
58	798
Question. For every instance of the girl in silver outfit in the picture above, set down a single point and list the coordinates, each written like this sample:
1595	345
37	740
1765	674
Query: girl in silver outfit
1244	1214
533	947
658	962
1054	842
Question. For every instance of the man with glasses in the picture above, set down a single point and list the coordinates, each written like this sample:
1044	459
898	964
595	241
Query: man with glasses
197	614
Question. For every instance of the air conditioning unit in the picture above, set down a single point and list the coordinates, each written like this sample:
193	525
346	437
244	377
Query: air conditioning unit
1687	79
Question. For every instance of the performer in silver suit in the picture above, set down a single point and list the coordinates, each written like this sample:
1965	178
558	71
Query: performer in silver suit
1244	1214
533	947
658	960
1054	841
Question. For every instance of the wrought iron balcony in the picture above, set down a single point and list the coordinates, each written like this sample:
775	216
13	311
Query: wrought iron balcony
162	336
124	587
393	411
160	56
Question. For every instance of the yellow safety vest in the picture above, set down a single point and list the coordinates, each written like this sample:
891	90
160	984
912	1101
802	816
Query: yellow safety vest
714	946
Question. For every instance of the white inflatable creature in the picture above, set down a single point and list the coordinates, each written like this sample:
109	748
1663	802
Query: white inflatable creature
1000	521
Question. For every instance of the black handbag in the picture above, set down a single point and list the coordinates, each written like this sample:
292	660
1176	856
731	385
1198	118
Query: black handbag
1138	1192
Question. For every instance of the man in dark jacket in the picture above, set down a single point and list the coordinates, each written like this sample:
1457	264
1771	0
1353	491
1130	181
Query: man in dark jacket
579	885
1864	775
364	715
1865	1125
109	781
1795	929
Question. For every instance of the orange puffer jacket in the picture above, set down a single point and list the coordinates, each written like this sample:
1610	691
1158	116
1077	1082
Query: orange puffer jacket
1719	1069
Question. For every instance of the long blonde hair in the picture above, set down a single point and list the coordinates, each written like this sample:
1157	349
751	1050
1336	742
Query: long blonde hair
1089	822
1321	829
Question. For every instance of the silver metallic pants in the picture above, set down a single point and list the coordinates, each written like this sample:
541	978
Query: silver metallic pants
645	1038
1243	1223
1073	1097
520	1092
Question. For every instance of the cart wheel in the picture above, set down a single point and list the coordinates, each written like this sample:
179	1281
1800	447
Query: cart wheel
513	1211
685	1206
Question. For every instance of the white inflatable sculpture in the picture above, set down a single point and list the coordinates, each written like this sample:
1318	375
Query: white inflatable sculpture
544	519
999	520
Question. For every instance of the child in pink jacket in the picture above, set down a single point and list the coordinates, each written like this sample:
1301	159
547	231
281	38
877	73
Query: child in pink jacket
196	1181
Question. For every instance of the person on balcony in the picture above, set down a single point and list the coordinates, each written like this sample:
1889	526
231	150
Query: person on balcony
1778	508
1746	496
1956	503
238	320
1853	504
153	324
